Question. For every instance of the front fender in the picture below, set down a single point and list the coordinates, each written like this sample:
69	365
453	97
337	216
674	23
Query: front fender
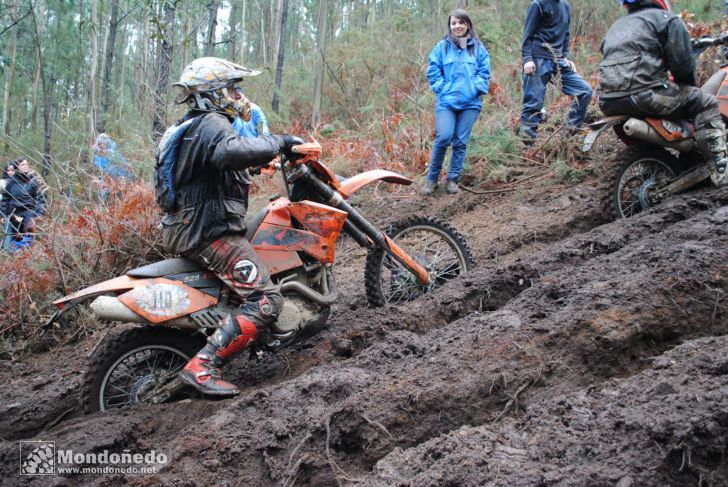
355	183
596	129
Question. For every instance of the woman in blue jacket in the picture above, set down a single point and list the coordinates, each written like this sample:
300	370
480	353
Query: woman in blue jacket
459	74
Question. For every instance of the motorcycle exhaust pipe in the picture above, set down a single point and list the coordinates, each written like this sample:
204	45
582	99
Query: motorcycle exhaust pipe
316	297
641	130
109	308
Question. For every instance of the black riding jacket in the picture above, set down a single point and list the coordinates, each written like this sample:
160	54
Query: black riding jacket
640	48
211	186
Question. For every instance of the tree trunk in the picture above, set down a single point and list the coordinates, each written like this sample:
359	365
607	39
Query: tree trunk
186	43
92	74
276	31
11	74
262	40
108	64
121	71
145	47
39	27
281	56
462	3
159	124
233	42
48	105
319	64
243	34
211	25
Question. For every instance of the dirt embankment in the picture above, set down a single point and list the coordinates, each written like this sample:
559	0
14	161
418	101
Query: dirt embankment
576	353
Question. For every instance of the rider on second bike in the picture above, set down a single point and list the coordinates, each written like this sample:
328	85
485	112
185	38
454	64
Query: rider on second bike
639	50
202	186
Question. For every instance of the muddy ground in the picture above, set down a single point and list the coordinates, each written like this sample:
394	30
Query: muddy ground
578	352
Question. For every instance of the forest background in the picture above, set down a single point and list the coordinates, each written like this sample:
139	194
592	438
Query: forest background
350	72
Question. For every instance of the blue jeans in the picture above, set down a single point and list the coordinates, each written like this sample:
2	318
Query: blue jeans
452	127
7	240
534	92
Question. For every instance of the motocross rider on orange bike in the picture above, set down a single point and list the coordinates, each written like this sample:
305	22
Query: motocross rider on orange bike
202	186
639	50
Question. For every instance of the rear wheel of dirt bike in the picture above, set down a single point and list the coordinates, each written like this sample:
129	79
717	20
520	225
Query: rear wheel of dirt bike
434	244
131	363
640	171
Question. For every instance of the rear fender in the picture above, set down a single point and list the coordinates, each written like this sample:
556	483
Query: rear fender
596	129
355	183
121	283
115	285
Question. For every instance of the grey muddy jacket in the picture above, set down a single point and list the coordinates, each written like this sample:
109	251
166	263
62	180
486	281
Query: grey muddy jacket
640	48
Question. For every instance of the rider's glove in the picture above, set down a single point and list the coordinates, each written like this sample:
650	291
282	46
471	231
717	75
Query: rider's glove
288	142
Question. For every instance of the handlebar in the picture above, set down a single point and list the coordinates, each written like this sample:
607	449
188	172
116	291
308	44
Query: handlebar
705	41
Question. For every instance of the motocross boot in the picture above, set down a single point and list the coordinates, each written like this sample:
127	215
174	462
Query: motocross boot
203	371
713	145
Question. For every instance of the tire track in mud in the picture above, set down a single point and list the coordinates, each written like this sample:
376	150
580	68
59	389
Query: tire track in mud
446	403
635	431
455	358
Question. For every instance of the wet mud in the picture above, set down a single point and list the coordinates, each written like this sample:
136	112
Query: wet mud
577	352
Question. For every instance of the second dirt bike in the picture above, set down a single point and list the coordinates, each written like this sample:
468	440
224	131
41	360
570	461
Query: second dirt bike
662	157
177	303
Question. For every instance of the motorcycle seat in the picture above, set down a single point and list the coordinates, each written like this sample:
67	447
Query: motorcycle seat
178	265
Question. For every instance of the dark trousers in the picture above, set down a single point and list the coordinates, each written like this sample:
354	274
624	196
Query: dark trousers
673	102
235	262
534	93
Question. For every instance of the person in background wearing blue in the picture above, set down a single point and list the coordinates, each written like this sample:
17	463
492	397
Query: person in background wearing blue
258	124
459	74
109	164
545	53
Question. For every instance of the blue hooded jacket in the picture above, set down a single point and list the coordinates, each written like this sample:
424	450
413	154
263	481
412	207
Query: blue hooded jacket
457	77
250	128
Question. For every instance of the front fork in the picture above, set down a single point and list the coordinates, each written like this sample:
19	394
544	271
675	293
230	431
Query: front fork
359	228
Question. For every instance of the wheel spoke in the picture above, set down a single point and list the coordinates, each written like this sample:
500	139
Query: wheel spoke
433	249
135	373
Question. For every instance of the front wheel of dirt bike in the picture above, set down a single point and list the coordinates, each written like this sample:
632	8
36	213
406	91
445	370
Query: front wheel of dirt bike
637	175
434	244
128	365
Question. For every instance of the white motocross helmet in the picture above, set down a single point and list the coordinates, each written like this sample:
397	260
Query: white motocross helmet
208	83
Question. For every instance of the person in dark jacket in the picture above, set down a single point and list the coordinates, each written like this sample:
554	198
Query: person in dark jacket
23	200
202	187
459	75
545	52
639	50
8	172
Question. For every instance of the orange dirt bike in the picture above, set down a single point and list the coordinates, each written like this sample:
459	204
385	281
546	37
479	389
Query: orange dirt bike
662	157
178	304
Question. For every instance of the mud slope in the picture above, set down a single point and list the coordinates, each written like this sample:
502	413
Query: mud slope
575	354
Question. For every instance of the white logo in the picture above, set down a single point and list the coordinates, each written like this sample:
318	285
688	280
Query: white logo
162	299
247	270
37	457
42	458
